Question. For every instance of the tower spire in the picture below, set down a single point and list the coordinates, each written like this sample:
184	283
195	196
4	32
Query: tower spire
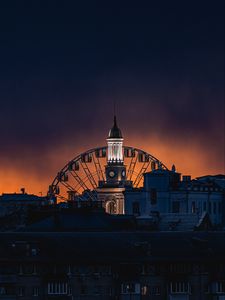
115	122
115	144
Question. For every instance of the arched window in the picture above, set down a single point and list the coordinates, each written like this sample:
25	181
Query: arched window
111	207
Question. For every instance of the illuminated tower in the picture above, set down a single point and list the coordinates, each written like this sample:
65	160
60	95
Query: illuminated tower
115	169
115	144
110	192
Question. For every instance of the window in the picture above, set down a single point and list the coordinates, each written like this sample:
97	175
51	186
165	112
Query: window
179	287
69	270
34	271
130	288
204	206
69	290
136	208
109	290
219	208
207	289
59	288
218	287
2	290
35	291
97	290
21	291
145	290
214	207
20	269
153	196
156	290
193	207
175	207
83	290
111	207
179	268
96	272
33	251
210	207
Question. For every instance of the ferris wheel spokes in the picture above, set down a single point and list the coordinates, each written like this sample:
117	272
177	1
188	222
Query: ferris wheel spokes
83	173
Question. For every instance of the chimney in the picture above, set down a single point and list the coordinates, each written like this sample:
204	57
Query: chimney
22	190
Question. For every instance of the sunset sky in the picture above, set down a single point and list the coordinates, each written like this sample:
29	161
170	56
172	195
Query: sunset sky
62	65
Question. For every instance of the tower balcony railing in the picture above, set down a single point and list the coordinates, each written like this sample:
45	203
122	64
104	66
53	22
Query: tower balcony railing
115	183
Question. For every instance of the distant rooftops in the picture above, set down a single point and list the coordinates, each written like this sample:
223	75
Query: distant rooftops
19	196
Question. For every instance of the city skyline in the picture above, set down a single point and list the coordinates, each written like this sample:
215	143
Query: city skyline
185	163
63	67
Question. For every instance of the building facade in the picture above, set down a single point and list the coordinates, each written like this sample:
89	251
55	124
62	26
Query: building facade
112	265
14	208
164	192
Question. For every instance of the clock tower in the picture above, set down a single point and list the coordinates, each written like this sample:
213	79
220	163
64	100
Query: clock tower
115	169
110	192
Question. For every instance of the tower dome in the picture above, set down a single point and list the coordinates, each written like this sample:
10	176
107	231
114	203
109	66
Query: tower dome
115	132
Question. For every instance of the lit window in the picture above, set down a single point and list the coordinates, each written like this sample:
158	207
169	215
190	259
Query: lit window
130	288
144	290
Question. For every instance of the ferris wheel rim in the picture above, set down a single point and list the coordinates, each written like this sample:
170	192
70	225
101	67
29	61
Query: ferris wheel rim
65	168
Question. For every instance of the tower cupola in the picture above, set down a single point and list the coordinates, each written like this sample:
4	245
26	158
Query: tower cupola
115	132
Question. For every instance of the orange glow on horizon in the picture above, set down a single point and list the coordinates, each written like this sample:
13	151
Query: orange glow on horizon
189	160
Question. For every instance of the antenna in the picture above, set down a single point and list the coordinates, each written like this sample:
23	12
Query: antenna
114	107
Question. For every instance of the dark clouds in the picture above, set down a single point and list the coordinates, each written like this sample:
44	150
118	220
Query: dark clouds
63	65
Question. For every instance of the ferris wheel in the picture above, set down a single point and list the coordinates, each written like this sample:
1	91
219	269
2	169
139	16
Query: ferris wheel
81	175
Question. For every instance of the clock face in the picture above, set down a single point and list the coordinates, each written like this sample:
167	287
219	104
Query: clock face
123	173
112	174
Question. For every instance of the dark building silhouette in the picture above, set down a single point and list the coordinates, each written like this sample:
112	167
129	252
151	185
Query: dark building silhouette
14	208
87	254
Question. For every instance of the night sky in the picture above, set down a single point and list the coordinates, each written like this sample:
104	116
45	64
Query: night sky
62	65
